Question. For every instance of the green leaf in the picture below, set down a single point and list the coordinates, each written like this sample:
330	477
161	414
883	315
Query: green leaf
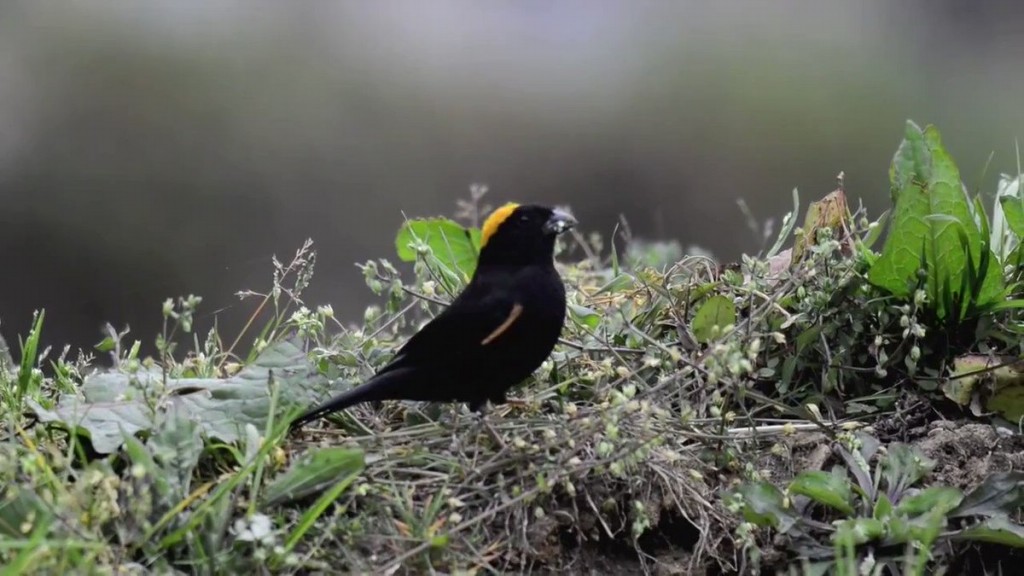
883	508
859	530
857	464
808	337
949	197
474	238
619	283
764	505
22	510
1007	397
896	269
716	311
455	248
29	354
106	345
314	472
176	445
902	467
788	223
909	162
585	316
875	230
914	180
826	488
934	223
308	519
1012	205
1001	493
997	530
940	498
111	404
615	257
161	487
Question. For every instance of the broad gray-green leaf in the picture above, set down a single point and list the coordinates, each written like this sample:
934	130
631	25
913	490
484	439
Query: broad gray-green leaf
176	445
111	404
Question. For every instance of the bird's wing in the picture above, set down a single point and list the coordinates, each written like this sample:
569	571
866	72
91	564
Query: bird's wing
476	319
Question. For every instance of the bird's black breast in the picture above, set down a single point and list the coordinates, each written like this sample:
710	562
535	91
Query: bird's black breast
529	340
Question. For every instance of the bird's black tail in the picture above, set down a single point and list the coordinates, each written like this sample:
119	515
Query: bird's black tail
383	386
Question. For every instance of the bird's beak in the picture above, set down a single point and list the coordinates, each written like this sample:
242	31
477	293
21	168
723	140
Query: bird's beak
559	222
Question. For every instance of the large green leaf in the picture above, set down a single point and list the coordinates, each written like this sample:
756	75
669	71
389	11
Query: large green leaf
896	269
949	197
454	247
111	404
933	223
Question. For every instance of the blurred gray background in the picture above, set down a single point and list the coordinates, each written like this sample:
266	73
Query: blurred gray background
151	149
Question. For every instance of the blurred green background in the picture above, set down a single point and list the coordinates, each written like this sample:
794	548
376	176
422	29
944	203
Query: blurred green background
151	149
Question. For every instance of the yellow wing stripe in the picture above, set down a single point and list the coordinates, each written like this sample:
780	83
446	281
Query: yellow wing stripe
517	310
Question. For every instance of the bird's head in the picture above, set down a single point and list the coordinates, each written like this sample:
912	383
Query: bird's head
522	234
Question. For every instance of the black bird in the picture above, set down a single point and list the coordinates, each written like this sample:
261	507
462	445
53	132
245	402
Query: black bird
495	333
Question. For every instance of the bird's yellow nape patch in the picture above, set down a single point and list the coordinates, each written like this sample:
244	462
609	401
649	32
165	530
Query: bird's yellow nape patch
494	221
